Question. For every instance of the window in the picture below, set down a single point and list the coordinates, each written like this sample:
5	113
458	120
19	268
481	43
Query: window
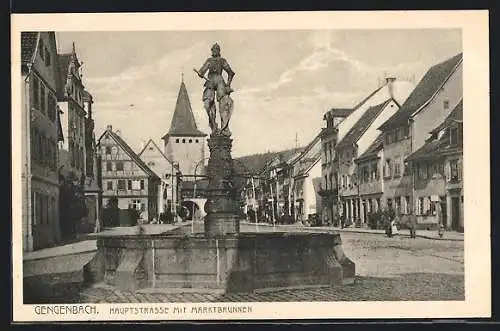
397	167
109	166
453	136
129	184
108	150
365	175
388	168
400	134
406	169
183	141
420	206
454	170
190	141
42	98
432	208
142	184
375	174
406	130
389	203
119	165
136	204
151	148
109	185
407	207
151	163
446	104
397	202
121	184
177	140
197	141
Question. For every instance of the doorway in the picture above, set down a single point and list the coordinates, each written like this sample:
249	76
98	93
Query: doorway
455	213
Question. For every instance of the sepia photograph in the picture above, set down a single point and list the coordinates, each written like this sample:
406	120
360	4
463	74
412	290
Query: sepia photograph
195	172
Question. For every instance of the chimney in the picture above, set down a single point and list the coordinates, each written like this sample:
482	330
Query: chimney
118	132
109	127
390	85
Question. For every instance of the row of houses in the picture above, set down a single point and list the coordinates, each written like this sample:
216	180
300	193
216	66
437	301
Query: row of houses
400	149
60	179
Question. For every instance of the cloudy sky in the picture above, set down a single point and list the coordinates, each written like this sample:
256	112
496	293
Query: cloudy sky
285	80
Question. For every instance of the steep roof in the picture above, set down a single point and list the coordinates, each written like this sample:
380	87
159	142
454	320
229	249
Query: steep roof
373	149
307	164
129	152
440	145
183	122
29	41
432	81
151	141
363	124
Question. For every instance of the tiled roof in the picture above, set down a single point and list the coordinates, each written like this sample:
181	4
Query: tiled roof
183	122
28	46
423	92
373	149
257	163
129	152
363	124
455	115
439	146
307	164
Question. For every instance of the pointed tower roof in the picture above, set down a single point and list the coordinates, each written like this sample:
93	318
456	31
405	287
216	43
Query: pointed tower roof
183	122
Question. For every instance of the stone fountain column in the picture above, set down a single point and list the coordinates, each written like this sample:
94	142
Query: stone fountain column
221	207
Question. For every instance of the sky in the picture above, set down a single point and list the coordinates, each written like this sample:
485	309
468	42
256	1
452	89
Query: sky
285	80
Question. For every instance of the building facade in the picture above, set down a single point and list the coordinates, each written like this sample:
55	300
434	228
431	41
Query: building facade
371	186
167	170
78	164
40	136
356	141
437	175
337	128
432	100
128	183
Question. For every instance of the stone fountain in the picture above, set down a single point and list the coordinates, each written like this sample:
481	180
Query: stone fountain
221	257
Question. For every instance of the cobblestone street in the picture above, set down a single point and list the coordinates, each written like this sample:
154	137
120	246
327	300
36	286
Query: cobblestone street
388	269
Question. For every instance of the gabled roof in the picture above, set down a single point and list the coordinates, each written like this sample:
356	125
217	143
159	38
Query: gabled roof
29	41
439	145
135	158
183	121
428	86
364	122
373	149
151	141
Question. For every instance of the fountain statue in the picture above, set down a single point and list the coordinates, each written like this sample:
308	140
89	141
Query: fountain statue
221	256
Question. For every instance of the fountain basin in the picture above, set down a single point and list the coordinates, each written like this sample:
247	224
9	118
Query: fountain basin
243	262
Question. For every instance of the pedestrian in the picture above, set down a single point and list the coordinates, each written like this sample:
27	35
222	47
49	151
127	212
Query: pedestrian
413	226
